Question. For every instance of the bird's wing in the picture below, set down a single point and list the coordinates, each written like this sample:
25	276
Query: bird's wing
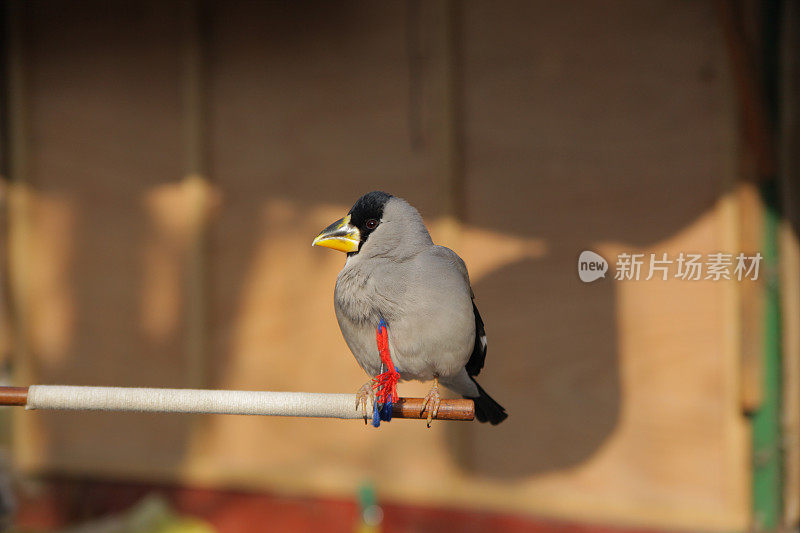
478	357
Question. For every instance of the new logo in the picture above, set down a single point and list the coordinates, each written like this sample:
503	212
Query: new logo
591	266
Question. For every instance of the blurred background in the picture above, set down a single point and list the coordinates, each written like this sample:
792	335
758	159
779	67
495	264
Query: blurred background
165	166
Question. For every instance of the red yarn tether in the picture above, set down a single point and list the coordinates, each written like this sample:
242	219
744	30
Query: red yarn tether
385	384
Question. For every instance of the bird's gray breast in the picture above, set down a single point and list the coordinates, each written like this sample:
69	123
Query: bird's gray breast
427	306
362	297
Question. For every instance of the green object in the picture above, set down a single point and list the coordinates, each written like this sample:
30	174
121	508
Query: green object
767	456
371	513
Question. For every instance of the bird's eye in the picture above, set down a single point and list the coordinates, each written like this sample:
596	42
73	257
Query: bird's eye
372	223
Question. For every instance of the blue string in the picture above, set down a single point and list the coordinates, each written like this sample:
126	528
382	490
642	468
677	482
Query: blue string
381	411
376	415
386	411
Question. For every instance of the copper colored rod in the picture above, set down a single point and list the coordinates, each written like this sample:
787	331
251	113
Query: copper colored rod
448	409
13	395
404	408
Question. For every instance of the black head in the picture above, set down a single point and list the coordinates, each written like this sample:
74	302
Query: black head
367	212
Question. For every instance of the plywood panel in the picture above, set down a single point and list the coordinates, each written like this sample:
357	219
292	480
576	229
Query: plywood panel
587	126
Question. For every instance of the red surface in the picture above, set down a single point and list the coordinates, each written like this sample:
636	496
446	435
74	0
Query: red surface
70	502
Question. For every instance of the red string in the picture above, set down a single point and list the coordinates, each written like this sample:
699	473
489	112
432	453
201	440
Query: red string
386	383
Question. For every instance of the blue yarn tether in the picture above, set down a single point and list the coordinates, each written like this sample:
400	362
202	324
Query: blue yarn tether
381	412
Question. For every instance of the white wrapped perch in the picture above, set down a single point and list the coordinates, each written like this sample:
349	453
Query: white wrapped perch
153	400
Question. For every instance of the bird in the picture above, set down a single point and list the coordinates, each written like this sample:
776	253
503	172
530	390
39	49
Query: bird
395	273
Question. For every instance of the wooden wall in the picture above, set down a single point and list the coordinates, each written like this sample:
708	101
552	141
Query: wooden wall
546	128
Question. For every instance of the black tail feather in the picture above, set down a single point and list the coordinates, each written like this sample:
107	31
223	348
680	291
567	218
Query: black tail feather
486	409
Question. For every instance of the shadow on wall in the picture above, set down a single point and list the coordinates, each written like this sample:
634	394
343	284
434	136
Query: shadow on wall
553	340
552	362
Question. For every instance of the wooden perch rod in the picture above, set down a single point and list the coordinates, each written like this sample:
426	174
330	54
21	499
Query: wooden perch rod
152	400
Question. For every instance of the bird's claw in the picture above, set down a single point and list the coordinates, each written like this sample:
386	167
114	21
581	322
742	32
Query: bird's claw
364	393
434	400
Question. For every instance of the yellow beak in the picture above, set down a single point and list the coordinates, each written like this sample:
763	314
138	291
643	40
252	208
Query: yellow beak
340	236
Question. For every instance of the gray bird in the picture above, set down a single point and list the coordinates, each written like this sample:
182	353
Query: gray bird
394	271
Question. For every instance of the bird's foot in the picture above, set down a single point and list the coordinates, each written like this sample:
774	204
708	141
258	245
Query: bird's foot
365	393
433	399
